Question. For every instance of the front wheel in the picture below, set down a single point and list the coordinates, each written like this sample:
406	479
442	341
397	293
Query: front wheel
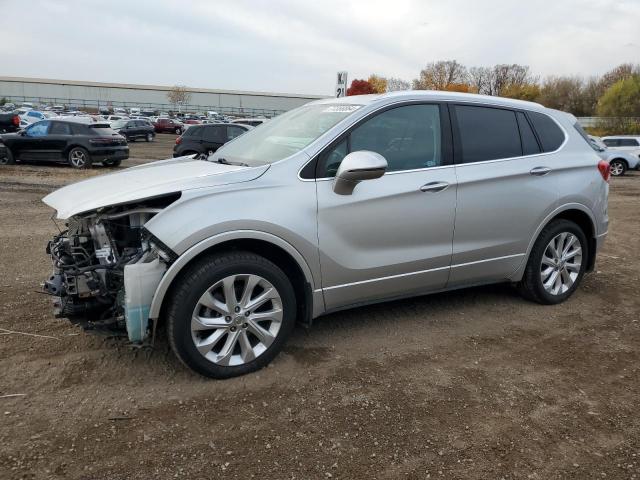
230	314
79	158
178	131
556	264
618	167
149	137
7	158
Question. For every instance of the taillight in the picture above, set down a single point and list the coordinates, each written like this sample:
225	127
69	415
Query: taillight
605	170
178	140
102	140
16	120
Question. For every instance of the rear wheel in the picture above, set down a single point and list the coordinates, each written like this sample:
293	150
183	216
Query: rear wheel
149	137
230	314
618	167
556	264
7	158
179	131
79	158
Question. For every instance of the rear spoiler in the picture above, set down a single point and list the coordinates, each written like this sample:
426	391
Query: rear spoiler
99	125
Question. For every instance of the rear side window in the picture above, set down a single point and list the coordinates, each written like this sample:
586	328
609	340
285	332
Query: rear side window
529	143
627	142
214	134
233	132
585	136
78	129
610	142
487	133
103	131
193	132
59	128
549	133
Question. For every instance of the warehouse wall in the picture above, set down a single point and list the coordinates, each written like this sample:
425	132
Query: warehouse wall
67	91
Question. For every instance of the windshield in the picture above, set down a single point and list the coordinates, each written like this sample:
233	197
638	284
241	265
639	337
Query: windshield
118	124
284	135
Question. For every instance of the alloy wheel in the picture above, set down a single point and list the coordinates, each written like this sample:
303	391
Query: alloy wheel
78	158
617	168
236	319
561	263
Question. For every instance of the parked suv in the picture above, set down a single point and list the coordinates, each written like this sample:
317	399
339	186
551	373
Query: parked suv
73	142
627	144
135	129
338	203
206	138
168	125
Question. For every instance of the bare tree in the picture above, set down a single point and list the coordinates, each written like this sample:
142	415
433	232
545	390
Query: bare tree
179	95
507	76
396	84
441	75
480	79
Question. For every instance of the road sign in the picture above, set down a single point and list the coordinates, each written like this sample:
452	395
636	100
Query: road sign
341	85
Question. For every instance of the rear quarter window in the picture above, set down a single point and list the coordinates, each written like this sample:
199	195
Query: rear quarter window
549	133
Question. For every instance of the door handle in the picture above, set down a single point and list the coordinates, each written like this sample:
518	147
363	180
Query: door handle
434	187
539	171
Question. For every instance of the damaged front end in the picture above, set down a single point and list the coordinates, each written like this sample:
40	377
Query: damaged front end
106	268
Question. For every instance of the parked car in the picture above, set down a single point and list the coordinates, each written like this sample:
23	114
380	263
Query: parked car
115	118
629	144
76	143
32	116
619	160
134	129
192	121
206	139
254	122
338	203
168	125
4	156
9	122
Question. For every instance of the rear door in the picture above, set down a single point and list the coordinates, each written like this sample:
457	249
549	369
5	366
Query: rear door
506	187
213	137
55	143
392	236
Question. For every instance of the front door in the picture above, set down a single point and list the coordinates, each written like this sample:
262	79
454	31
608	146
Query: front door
30	145
392	236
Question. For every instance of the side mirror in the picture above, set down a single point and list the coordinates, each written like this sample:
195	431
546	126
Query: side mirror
356	167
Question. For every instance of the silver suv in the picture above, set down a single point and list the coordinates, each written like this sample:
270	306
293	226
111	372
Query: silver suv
339	203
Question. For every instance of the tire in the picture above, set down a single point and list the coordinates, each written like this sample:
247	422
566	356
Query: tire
149	137
178	131
112	163
232	346
562	276
8	159
618	167
79	157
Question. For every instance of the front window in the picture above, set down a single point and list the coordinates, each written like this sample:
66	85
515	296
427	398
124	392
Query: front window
38	129
285	135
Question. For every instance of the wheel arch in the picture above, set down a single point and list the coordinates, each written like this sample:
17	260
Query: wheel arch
575	212
267	245
621	159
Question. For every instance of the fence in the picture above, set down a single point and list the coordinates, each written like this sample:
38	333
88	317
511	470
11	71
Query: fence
95	105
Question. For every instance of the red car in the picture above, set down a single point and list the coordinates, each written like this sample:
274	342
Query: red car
168	125
193	121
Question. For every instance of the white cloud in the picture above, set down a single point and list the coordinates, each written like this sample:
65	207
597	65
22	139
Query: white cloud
293	46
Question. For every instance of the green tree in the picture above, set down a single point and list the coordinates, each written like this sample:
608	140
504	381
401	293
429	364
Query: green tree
622	99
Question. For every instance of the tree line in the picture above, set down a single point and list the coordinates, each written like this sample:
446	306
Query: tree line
615	95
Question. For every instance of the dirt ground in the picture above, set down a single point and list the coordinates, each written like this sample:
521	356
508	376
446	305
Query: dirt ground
474	384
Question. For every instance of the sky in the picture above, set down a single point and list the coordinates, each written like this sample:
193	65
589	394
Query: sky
298	46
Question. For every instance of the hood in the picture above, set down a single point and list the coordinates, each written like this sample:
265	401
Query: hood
146	181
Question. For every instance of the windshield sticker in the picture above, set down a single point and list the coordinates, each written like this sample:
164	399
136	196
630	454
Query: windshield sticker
341	108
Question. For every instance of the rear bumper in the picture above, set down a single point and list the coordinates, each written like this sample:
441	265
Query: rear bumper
109	153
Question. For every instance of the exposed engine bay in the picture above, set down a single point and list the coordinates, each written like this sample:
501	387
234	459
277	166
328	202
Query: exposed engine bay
106	267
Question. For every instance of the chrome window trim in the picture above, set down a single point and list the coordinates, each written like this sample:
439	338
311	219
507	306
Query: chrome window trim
447	102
